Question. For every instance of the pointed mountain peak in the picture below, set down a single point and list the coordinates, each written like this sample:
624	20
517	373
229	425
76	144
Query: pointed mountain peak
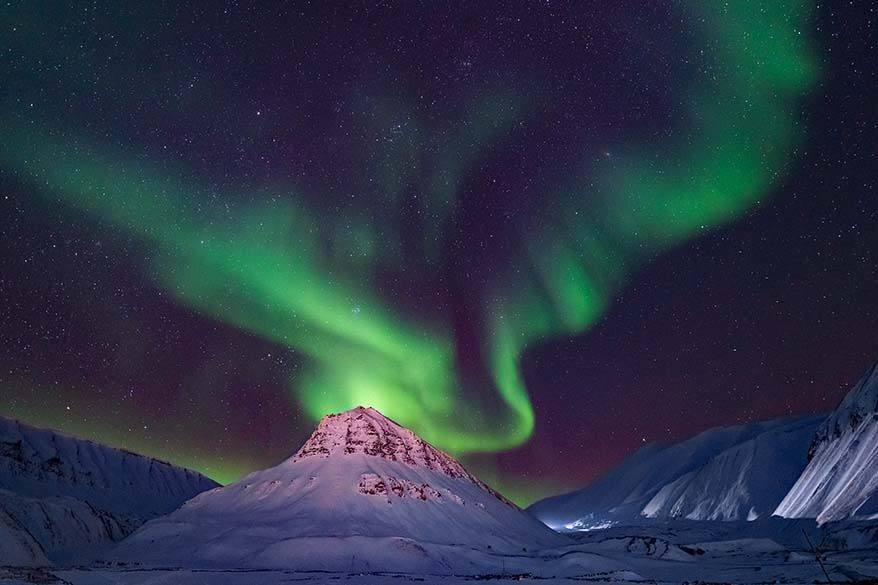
365	431
367	411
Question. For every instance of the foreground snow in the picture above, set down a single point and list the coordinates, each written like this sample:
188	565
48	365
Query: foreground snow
160	577
664	552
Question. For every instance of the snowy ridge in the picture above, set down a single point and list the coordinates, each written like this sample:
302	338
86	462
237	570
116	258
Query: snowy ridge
822	467
42	462
728	473
59	492
743	482
362	492
841	479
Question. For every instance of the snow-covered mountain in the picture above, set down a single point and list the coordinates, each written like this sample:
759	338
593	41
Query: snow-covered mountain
823	467
729	473
363	493
59	493
841	479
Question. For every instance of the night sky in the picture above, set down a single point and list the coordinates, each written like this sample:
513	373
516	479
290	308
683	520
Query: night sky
540	235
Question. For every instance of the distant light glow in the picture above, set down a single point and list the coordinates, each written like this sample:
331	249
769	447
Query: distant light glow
580	526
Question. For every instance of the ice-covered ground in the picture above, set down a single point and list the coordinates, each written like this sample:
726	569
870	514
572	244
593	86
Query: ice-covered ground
278	577
767	567
770	551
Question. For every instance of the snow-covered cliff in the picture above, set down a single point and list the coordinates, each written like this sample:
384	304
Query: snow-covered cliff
823	467
841	479
728	473
59	493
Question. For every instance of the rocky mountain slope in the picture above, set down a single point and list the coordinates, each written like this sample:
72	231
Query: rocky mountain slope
59	493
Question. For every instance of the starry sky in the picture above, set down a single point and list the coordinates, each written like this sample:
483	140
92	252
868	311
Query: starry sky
541	235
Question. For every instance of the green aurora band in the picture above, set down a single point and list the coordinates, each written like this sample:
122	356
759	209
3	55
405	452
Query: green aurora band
306	283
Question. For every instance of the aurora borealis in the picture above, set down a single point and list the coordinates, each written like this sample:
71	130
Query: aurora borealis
221	223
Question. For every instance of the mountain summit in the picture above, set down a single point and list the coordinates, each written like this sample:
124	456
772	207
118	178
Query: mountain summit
365	431
362	492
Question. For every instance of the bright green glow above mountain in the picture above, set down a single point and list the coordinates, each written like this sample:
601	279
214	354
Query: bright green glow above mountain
306	278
